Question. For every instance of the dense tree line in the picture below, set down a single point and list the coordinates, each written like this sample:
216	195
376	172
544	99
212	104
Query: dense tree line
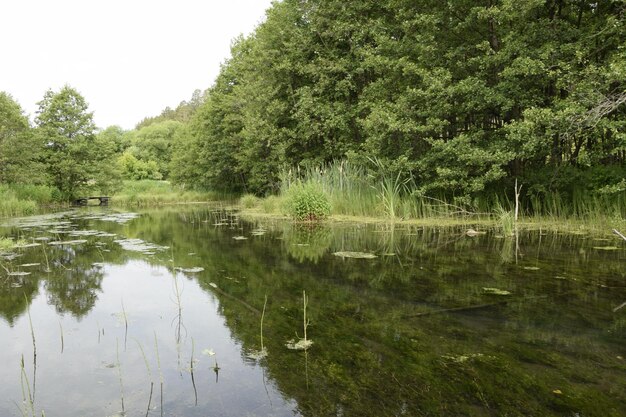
464	95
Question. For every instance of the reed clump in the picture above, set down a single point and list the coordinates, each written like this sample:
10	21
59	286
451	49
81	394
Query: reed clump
374	190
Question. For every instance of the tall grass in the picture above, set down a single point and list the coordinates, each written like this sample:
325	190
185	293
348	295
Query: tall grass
374	191
23	199
147	193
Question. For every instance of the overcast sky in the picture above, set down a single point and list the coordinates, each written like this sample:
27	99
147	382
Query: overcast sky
128	58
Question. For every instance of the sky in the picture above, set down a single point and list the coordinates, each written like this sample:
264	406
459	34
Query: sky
128	58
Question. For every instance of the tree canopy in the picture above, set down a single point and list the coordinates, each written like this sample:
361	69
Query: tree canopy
464	95
76	158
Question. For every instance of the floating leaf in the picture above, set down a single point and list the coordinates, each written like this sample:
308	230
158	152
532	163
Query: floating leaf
606	248
193	270
240	238
68	242
532	268
138	245
495	291
462	358
299	345
356	255
27	245
257	355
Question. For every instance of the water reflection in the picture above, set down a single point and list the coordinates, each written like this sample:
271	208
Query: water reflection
437	323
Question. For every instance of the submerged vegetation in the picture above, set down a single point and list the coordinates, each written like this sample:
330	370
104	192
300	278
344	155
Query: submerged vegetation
406	319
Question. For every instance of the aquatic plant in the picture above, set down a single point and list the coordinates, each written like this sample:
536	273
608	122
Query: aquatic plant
303	343
307	201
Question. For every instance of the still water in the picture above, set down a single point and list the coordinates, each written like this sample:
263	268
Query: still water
196	313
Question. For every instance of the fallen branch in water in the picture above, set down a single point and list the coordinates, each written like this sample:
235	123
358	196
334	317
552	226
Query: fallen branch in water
619	234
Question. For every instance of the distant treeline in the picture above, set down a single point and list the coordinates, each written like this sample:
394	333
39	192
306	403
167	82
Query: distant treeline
461	97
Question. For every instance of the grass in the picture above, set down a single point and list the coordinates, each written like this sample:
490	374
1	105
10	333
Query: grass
359	194
148	193
25	199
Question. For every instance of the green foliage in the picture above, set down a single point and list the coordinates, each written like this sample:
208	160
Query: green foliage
12	205
19	149
154	144
132	168
77	160
307	201
146	193
461	97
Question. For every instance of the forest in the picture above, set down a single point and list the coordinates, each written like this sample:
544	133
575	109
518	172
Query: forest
452	100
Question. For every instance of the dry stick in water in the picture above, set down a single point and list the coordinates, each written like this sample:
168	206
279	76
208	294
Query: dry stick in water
43	247
31	401
119	371
619	234
62	342
156	345
145	360
125	325
32	334
262	317
193	382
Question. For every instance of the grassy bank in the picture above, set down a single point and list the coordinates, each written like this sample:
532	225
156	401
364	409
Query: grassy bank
23	200
147	193
356	194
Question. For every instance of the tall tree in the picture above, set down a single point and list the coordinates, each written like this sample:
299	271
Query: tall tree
76	159
19	149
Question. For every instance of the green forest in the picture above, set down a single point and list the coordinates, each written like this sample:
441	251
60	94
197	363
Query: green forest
417	101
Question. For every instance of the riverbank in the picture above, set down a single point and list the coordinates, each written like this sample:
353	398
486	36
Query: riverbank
504	222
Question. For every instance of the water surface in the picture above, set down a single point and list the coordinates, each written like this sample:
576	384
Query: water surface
160	312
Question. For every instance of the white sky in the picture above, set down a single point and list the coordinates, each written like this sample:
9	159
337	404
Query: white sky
128	58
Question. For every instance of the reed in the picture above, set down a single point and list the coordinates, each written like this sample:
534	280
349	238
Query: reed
62	339
145	361
193	381
161	379
119	372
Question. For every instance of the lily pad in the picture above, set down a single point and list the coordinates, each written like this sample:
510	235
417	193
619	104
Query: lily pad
356	255
68	242
495	291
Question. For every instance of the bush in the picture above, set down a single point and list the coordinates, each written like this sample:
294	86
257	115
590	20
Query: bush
307	201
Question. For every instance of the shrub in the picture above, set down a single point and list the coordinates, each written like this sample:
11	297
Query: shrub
307	201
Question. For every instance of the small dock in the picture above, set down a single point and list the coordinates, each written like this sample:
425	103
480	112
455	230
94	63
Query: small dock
82	201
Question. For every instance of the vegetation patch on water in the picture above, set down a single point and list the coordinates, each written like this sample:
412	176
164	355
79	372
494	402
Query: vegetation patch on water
355	255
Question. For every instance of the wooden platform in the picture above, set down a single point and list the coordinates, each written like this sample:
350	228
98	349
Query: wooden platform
82	201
